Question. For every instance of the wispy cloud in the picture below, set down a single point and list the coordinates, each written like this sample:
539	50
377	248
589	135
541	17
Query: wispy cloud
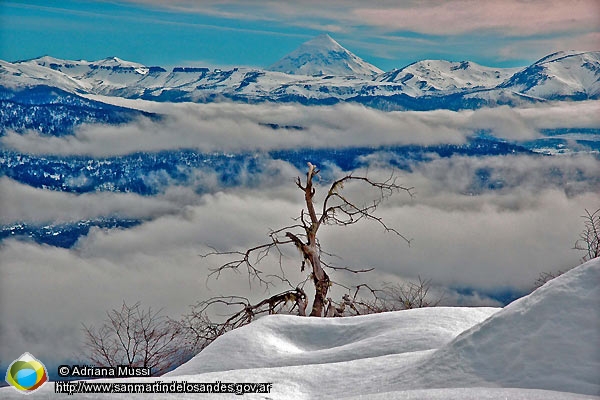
541	46
511	17
510	32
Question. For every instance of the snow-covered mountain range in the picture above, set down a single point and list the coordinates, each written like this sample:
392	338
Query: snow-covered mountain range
322	72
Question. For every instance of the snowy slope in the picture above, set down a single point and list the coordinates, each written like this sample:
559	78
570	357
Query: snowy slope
51	110
324	56
439	75
115	77
543	346
20	75
560	75
549	339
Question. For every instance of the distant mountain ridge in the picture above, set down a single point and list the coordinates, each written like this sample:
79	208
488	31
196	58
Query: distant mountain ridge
440	75
322	72
561	74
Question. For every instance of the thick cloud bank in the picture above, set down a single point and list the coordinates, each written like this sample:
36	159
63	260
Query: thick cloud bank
227	127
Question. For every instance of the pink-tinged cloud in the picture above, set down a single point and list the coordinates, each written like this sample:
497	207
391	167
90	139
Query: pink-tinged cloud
510	17
441	17
538	48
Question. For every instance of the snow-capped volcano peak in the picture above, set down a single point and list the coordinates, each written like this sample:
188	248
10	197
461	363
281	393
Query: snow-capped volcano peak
322	42
323	55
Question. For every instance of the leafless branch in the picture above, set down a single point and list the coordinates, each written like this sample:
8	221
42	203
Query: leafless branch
136	337
202	330
339	210
389	298
245	259
589	238
354	271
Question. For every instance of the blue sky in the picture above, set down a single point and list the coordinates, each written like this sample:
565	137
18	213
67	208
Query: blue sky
389	34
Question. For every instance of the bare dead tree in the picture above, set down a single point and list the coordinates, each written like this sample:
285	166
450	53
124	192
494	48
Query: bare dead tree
336	209
136	337
589	238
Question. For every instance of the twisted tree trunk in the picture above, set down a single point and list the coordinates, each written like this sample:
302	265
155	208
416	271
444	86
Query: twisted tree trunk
310	250
320	278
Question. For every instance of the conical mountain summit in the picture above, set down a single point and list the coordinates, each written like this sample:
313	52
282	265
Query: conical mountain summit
324	56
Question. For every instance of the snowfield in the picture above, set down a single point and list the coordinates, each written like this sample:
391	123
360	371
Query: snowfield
542	346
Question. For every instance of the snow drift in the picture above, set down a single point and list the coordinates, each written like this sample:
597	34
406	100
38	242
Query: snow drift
547	340
286	340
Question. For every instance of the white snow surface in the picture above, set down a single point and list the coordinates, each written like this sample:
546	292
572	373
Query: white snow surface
286	340
542	346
